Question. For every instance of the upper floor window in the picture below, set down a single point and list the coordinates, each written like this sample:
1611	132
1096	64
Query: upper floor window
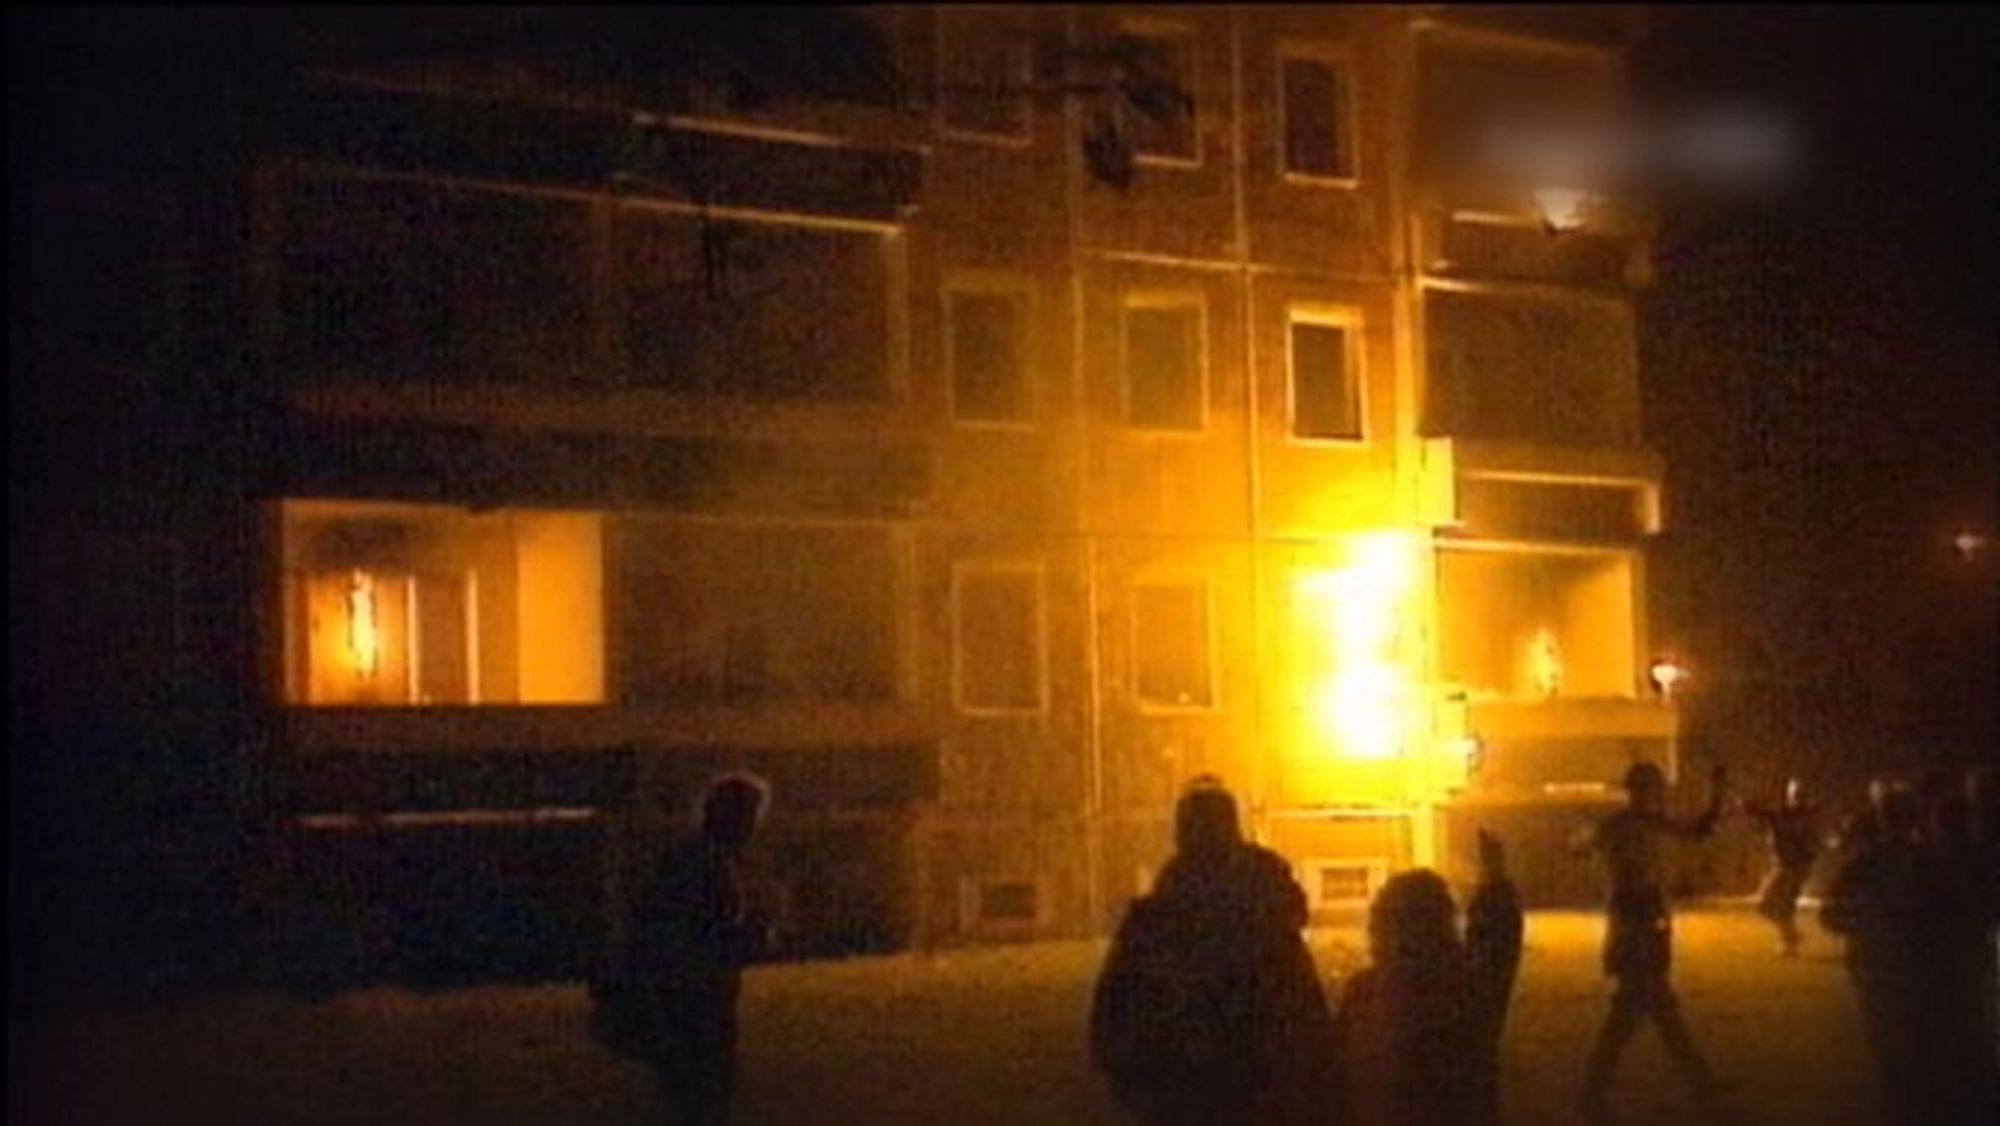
984	72
1161	109
1326	384
1172	647
986	337
1317	93
998	660
1163	368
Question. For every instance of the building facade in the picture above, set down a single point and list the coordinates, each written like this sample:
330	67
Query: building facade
1129	394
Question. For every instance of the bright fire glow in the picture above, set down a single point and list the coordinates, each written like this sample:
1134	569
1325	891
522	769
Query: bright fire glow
1545	668
364	635
1564	209
1358	691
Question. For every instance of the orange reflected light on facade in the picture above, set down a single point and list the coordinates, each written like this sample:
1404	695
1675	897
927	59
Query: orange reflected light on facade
1545	666
364	635
1360	692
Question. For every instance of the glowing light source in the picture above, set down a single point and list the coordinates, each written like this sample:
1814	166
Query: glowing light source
1564	209
1545	667
1967	543
364	635
1358	691
1666	675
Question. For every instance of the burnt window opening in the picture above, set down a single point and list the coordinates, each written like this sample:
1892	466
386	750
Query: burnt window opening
985	70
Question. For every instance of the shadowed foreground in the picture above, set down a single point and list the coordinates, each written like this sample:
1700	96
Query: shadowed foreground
979	1036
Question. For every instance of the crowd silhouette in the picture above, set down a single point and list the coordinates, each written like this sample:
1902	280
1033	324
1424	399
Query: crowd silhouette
1209	1009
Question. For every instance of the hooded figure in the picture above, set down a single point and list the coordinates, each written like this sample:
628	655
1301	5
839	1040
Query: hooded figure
1209	1009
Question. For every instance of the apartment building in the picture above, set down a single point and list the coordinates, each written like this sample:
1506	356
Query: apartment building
1112	396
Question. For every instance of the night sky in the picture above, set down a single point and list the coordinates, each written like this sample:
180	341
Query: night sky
1819	360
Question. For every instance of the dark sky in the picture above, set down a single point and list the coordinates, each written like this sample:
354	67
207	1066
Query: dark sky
1820	365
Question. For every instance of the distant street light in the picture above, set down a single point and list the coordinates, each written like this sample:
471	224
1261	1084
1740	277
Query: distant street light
1666	675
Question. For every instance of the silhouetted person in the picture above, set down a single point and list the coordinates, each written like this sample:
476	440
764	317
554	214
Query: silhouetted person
1208	1009
1638	941
691	938
1417	1032
1884	899
1961	953
1792	828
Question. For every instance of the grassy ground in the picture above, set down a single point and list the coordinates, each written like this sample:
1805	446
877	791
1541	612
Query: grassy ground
980	1036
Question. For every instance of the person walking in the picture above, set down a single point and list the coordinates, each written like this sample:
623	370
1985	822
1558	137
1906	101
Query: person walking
1638	942
1792	828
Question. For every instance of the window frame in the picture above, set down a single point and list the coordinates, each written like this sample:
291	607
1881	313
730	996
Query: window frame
967	570
1153	299
1350	320
1186	34
1339	58
990	283
1170	579
1023	65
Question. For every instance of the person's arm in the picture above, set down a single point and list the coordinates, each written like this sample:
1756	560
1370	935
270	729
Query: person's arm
1705	822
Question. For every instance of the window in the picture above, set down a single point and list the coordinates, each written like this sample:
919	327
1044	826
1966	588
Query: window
1009	906
986	342
1171	645
997	639
983	75
716	612
756	310
1161	78
1338	883
1163	365
1326	380
1317	103
413	605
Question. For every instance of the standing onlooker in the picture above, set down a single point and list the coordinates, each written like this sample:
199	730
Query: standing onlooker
1417	1032
1638	942
1882	899
1792	827
691	938
1208	1009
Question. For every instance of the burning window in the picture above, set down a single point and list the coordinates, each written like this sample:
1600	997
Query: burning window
415	605
1317	101
997	626
1326	380
1163	364
1171	645
986	339
1534	625
984	71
